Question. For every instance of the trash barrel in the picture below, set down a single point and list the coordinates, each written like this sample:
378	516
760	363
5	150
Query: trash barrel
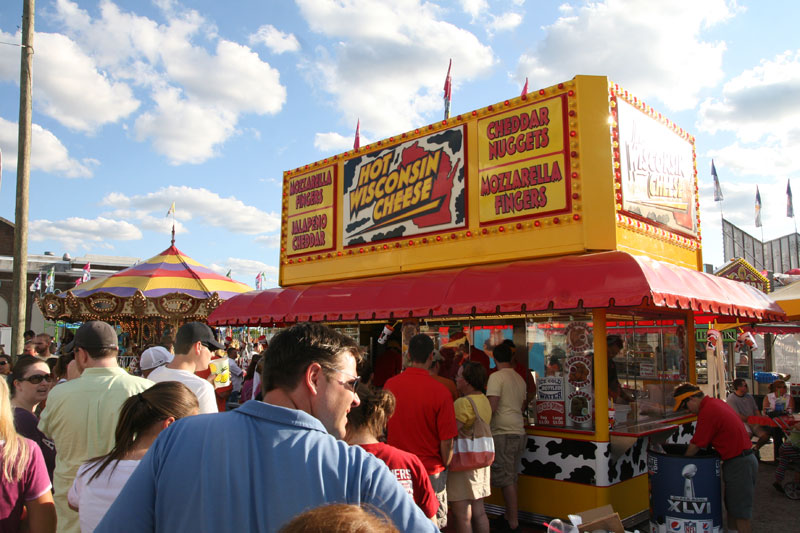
685	492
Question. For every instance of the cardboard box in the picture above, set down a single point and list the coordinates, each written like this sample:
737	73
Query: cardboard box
603	518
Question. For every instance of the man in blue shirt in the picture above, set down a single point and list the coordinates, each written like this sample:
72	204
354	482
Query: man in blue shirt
255	468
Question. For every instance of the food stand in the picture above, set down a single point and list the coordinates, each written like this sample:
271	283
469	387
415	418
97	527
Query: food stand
564	215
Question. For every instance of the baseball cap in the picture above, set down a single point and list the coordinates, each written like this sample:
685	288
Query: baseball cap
192	332
155	357
94	334
262	339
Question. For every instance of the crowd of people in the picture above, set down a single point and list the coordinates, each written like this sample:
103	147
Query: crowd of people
83	438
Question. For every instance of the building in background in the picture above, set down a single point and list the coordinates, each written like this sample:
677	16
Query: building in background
67	271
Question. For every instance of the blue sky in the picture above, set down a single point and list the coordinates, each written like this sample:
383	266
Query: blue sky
138	104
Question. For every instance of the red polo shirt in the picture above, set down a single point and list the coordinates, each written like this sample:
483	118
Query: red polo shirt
719	425
424	416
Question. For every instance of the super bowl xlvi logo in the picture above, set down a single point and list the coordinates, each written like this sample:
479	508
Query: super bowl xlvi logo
689	503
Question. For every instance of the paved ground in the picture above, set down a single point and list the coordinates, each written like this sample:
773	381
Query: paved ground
773	512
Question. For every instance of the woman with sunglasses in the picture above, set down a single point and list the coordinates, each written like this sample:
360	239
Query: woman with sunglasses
30	383
23	478
5	364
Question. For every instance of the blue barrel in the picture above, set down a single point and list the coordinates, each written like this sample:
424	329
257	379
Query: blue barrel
685	492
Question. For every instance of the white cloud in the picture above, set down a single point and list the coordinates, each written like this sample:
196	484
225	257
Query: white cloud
389	63
336	142
185	116
214	210
68	85
504	22
182	130
75	232
759	103
474	8
48	154
274	39
669	61
247	269
270	241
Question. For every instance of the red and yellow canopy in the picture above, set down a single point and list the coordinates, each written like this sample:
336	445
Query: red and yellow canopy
169	272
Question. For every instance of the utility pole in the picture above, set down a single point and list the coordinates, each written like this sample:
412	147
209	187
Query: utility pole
19	294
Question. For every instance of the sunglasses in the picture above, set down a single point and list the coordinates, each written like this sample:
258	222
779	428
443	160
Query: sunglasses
351	385
38	378
3	363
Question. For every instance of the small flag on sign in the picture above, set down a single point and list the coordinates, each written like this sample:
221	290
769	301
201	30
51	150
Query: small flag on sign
525	88
717	188
258	281
758	208
171	210
448	87
37	283
357	142
229	273
87	273
789	205
50	282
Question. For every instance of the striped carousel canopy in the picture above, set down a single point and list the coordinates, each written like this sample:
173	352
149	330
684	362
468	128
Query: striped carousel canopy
169	272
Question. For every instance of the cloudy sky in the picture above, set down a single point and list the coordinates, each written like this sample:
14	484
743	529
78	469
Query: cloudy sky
141	103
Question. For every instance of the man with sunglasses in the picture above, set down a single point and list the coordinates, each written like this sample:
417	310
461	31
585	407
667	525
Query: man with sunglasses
194	347
719	426
289	444
81	415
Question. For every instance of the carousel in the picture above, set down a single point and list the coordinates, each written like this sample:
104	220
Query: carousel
146	300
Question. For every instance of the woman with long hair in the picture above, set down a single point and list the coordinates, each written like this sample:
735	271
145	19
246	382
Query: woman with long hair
30	383
24	480
249	390
467	488
366	424
142	418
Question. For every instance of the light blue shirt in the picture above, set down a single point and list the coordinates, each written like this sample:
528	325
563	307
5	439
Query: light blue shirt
252	469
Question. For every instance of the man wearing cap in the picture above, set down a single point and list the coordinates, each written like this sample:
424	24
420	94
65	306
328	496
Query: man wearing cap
81	414
153	358
293	452
194	347
719	426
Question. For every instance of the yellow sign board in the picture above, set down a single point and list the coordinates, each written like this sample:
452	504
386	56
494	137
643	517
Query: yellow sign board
522	165
576	167
310	211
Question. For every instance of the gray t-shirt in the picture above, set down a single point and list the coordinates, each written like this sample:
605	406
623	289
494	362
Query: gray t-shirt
744	405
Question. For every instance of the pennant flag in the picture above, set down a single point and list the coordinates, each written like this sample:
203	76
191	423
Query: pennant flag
87	273
525	87
37	283
228	274
50	282
447	92
717	188
758	208
171	210
258	281
357	142
789	205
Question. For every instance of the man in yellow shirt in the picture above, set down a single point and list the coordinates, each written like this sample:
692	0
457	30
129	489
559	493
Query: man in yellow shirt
81	415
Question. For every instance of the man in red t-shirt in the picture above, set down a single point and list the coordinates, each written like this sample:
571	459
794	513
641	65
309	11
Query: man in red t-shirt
424	421
719	426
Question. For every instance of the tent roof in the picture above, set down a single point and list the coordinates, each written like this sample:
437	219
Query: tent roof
605	279
169	272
